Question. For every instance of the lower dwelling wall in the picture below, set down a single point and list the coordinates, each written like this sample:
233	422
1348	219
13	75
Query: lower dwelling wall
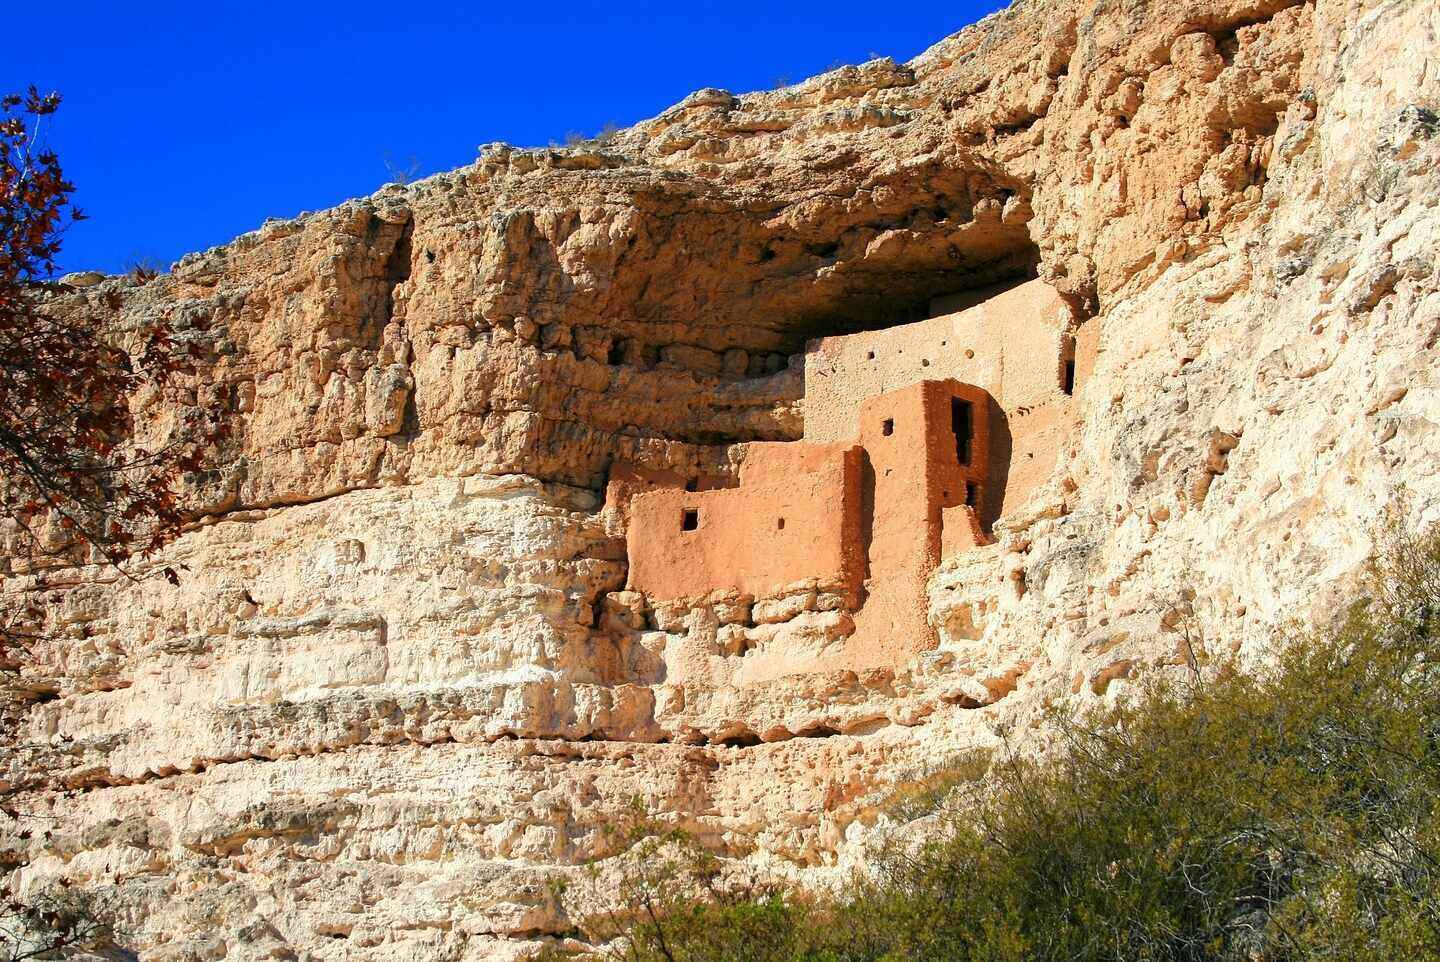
795	516
626	480
864	521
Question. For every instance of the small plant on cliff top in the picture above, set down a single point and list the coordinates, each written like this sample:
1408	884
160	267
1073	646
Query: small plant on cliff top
1287	816
75	483
399	172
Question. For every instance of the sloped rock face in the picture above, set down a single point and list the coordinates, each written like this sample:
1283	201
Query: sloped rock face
401	690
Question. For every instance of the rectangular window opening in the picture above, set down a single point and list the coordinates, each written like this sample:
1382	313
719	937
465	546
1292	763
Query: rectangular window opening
689	519
1067	365
692	485
887	427
962	422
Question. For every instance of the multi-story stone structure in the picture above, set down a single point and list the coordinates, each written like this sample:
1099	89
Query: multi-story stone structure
917	438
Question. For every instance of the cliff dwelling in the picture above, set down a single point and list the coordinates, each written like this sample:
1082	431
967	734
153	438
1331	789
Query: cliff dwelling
917	438
665	480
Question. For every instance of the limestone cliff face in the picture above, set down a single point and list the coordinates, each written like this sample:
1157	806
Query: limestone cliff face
401	688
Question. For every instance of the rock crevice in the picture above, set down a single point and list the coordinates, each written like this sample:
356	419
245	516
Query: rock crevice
403	688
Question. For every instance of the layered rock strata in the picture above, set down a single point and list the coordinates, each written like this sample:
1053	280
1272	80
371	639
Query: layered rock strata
401	688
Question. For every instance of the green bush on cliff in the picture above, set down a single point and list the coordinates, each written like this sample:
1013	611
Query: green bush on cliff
1284	817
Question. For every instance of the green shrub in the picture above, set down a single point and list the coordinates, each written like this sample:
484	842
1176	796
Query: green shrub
662	896
1289	816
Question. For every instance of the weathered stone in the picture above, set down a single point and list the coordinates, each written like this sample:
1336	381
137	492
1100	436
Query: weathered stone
401	689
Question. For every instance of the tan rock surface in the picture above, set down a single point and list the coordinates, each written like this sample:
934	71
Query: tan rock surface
400	687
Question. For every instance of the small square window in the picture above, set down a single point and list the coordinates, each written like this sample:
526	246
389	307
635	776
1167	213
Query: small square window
869	355
887	427
780	524
689	519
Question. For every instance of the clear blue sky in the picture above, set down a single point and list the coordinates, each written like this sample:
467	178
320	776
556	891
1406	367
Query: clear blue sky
186	124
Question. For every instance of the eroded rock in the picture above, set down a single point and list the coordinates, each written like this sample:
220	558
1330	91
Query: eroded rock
403	688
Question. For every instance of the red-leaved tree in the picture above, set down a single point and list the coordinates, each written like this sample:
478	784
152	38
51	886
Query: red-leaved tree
81	478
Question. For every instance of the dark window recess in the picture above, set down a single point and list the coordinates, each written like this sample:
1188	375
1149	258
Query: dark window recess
962	422
692	485
689	520
780	524
616	355
972	493
887	427
1067	364
869	355
742	740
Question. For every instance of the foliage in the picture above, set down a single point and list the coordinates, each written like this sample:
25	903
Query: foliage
606	136
928	791
399	172
55	924
73	479
1290	816
663	896
607	133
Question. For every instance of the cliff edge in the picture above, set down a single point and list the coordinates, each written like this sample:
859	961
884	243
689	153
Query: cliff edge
406	682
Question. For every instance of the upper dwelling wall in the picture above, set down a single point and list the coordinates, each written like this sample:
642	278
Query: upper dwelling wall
628	480
1009	344
1013	343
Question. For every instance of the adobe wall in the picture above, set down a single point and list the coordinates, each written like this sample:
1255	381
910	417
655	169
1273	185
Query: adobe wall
624	481
879	490
913	475
795	516
842	584
1010	343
